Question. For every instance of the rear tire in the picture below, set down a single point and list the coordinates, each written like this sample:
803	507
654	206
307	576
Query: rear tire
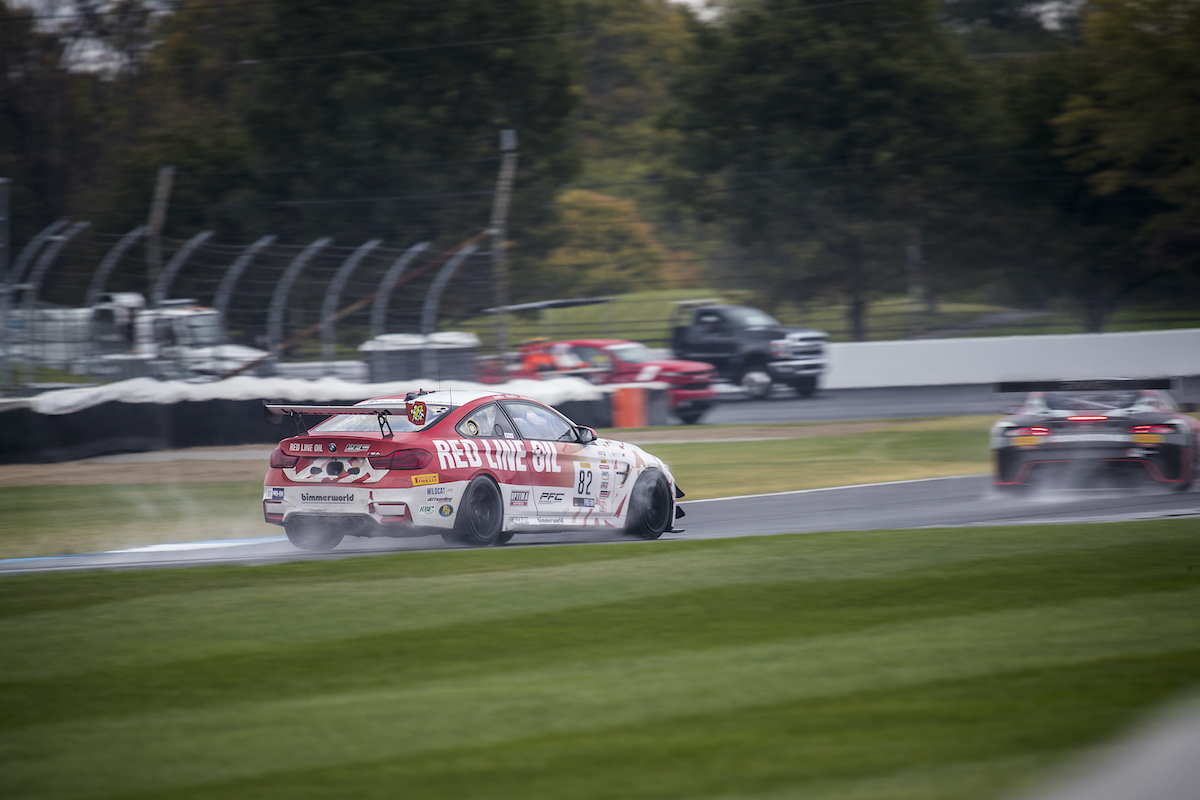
311	536
480	514
691	416
651	507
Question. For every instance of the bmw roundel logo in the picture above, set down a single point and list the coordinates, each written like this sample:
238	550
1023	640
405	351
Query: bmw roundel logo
332	447
446	510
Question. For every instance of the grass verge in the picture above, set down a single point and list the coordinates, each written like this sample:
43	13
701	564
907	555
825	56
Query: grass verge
905	664
49	520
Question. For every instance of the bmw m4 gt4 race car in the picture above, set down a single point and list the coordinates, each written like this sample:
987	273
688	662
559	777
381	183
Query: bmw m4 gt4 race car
1081	434
474	467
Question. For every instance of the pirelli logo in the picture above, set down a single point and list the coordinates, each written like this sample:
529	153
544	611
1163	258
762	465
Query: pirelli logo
425	480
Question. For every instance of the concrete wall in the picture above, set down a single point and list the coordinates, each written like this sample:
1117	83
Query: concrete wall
933	362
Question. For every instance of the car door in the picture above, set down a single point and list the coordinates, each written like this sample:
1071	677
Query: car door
566	474
489	441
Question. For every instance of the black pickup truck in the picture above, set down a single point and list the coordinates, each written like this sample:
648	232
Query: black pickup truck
749	347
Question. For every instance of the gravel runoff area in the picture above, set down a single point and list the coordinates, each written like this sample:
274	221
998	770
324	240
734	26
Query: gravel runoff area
249	462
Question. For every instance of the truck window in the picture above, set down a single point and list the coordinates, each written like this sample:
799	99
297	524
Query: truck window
752	318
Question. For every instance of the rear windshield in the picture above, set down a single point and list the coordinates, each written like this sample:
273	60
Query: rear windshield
1090	401
366	423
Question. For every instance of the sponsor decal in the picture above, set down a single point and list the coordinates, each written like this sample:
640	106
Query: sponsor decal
519	499
276	493
427	510
357	448
310	497
446	510
523	521
304	447
417	412
552	497
435	491
603	463
604	484
583	502
603	493
425	480
550	520
333	447
585	465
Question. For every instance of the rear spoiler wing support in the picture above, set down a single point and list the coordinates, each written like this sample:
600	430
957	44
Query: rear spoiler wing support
275	412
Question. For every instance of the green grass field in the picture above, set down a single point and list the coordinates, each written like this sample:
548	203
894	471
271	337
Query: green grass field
915	664
50	520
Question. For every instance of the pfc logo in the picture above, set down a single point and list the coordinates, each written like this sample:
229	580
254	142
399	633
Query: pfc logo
551	497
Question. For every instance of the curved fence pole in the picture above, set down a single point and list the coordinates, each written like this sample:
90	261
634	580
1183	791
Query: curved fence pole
234	273
329	306
109	263
279	297
433	301
380	305
36	276
31	248
162	287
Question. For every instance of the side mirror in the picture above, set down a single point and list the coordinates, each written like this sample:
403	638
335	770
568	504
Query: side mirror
586	434
1190	407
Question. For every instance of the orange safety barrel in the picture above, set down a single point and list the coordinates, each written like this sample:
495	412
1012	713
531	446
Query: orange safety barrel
629	408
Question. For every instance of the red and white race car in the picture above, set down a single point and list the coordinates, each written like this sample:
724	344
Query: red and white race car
474	467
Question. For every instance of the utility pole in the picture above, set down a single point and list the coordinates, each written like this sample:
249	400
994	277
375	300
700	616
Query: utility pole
913	256
508	170
158	217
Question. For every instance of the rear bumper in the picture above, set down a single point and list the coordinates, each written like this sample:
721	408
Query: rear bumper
1165	464
359	511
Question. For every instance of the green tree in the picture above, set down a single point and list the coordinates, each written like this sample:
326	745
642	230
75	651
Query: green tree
804	125
1138	123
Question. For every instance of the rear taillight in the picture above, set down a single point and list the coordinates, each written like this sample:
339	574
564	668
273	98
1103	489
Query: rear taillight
402	459
1088	418
280	460
1037	431
1152	429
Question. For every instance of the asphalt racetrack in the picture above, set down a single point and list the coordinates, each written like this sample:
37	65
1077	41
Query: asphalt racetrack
937	502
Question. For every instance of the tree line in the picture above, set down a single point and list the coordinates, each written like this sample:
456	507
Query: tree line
1032	155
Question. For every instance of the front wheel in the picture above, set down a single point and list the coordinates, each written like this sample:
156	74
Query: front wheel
805	387
480	514
690	416
650	506
756	384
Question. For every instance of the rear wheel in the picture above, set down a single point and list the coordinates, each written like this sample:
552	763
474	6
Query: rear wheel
311	535
650	506
480	514
691	416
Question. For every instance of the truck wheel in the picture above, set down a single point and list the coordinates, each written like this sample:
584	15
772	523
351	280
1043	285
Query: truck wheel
755	383
691	416
480	513
310	535
650	506
805	387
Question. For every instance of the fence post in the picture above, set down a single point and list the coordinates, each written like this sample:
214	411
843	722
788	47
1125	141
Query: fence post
279	297
109	263
30	250
230	278
36	276
433	301
504	183
162	286
379	305
158	217
334	293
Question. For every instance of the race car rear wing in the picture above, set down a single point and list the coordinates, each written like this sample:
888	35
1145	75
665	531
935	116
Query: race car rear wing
276	412
1092	385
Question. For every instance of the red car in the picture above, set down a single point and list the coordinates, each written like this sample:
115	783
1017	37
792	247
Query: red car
474	467
619	361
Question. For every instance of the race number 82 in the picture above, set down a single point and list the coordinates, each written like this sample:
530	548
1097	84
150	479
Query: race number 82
585	482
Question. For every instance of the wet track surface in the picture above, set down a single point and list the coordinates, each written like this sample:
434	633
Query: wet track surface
948	502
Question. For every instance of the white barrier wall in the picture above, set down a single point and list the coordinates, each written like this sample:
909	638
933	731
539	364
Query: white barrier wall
934	362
